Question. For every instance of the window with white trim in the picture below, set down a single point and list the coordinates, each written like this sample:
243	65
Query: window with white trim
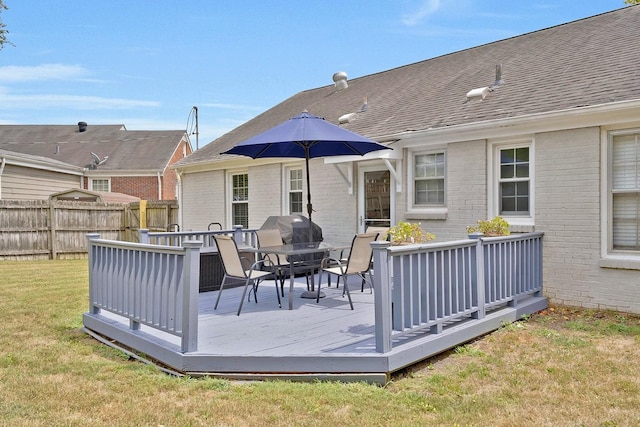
427	181
624	164
240	199
514	184
294	191
101	184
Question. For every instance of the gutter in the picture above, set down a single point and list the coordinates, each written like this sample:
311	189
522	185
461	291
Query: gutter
548	121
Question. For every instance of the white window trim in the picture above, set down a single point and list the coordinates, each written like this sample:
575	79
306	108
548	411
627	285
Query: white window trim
611	258
229	194
425	212
100	179
286	186
493	174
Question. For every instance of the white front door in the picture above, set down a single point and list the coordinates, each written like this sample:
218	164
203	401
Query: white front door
375	198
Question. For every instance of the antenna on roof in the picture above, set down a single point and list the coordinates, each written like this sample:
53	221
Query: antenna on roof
192	123
97	161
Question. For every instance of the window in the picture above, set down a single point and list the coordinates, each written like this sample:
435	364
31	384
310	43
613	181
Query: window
624	164
240	199
100	185
294	191
429	179
513	182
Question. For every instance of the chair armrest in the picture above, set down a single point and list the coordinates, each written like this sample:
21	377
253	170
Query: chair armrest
328	261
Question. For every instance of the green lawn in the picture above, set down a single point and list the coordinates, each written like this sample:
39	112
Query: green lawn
563	367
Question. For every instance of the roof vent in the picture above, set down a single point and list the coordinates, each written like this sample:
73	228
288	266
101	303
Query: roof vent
346	118
340	80
82	126
478	94
499	81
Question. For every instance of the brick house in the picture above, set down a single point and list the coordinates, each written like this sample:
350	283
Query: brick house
542	129
92	157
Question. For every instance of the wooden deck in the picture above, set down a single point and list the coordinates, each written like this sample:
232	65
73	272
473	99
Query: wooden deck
324	340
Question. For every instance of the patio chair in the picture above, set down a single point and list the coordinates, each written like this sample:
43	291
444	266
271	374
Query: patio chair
233	268
277	264
358	263
383	234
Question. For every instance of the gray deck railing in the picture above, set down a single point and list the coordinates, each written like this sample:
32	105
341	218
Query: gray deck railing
153	285
417	287
424	287
242	236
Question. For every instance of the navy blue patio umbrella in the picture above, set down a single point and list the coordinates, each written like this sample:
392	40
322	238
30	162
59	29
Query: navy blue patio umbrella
306	136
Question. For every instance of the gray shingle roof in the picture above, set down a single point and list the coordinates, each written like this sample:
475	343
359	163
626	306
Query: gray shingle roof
127	150
587	62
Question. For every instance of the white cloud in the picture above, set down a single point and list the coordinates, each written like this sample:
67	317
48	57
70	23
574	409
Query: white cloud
427	7
16	73
41	101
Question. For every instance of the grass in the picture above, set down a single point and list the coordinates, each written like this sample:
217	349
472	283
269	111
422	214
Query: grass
562	367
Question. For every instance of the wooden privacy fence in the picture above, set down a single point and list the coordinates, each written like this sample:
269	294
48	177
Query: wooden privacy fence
43	229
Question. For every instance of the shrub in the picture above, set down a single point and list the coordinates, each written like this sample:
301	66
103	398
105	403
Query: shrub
497	226
404	233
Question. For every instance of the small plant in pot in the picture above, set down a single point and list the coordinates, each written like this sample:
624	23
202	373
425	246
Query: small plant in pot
497	226
407	233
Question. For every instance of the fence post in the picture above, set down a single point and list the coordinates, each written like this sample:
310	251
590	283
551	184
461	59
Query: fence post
480	314
92	260
382	298
144	235
52	227
190	295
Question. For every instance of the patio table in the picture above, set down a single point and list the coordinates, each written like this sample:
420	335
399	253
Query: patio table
293	252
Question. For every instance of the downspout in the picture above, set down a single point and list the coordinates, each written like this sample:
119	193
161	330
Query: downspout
179	195
159	186
1	171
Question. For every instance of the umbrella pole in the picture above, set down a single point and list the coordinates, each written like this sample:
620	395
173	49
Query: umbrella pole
309	206
310	294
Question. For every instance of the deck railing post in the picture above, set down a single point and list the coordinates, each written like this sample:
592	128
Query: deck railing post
190	296
92	236
480	314
144	235
237	234
382	297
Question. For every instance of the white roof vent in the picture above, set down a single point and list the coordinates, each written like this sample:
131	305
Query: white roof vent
346	118
478	94
340	80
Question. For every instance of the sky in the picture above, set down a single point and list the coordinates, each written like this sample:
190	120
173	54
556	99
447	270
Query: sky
146	64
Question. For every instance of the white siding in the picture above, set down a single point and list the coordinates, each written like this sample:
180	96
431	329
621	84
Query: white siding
21	183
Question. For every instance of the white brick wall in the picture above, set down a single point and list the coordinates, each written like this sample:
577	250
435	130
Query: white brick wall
203	199
568	211
466	192
265	193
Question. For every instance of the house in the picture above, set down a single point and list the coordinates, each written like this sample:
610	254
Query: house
542	129
37	160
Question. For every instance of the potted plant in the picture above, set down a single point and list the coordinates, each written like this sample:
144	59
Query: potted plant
497	226
407	233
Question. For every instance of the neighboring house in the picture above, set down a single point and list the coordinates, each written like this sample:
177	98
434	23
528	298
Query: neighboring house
97	158
542	129
24	176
